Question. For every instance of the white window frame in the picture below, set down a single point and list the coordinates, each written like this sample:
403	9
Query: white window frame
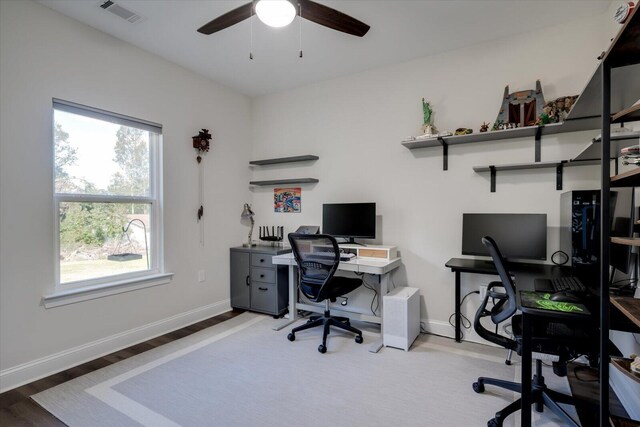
65	293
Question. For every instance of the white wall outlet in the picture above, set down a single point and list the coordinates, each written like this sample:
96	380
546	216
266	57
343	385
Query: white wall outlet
200	276
483	291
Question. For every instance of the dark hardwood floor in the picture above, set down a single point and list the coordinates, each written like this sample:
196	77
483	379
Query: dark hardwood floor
18	409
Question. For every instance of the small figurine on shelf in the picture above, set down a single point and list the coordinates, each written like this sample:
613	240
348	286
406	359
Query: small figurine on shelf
427	112
463	131
484	127
498	125
543	119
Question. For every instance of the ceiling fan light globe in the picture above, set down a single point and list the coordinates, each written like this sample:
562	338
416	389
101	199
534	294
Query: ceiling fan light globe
275	13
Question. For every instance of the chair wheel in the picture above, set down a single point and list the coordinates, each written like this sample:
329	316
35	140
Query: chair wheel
291	336
494	423
478	387
322	348
359	339
507	362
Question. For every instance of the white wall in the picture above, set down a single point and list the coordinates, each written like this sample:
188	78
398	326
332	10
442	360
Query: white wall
355	124
44	54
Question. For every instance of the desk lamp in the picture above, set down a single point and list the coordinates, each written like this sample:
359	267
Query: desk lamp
248	213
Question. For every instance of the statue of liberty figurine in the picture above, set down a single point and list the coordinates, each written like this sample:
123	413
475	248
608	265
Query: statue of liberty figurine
428	128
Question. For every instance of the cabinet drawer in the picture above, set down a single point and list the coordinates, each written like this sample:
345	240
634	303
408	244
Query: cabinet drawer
264	275
263	297
261	260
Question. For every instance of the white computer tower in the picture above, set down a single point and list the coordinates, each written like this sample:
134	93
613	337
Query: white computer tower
401	317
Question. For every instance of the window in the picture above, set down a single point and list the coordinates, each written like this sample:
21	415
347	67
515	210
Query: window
107	196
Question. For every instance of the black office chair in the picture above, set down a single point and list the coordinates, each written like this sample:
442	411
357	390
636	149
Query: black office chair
318	256
547	337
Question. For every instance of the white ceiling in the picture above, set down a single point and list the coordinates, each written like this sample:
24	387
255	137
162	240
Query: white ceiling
400	31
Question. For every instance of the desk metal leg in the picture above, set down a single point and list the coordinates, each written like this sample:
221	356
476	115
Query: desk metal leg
293	296
525	408
458	332
384	289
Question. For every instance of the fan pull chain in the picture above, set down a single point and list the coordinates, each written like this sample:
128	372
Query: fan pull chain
251	36
300	26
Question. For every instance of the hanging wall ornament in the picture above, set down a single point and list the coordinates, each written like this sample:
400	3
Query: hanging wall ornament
201	144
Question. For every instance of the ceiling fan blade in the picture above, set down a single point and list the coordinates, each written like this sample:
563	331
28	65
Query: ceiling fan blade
228	19
332	18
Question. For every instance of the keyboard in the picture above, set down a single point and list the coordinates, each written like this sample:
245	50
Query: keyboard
324	255
559	284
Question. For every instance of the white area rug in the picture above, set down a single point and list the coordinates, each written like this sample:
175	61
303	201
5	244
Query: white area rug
242	373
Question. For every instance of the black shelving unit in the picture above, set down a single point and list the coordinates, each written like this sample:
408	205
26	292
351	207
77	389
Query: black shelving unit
630	114
614	87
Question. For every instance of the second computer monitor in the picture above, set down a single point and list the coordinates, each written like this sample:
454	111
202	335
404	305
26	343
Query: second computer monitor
519	236
349	220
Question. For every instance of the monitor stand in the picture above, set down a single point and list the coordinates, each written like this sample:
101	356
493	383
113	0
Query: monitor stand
351	241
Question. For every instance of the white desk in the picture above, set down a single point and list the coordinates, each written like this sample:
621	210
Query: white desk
378	267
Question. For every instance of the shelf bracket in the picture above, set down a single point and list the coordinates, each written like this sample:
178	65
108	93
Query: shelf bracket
445	154
559	169
538	149
493	178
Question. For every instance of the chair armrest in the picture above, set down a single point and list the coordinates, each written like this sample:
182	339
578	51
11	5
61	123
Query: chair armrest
494	294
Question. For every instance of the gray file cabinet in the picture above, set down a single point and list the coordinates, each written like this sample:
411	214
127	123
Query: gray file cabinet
256	283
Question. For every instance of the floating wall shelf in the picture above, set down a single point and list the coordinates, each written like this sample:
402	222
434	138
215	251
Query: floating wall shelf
559	165
285	181
305	158
502	135
279	160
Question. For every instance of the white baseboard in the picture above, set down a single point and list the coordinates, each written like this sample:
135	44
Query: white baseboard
444	329
36	369
437	327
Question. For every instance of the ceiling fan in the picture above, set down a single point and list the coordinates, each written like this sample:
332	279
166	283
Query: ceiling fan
279	13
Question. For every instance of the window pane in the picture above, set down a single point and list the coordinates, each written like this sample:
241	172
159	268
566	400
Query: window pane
93	156
94	243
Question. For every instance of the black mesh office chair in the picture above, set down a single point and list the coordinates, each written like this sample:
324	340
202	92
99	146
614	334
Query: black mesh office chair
547	337
318	256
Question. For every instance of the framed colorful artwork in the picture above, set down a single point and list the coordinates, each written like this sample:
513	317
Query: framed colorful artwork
287	200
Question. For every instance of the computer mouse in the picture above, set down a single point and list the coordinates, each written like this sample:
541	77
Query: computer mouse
565	296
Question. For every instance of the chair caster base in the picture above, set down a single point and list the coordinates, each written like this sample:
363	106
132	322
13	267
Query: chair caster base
291	337
478	387
494	423
359	339
322	348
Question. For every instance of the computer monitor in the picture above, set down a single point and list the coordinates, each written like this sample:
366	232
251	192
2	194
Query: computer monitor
622	219
519	236
349	220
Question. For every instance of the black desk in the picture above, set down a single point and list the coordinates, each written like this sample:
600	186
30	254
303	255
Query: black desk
524	274
528	315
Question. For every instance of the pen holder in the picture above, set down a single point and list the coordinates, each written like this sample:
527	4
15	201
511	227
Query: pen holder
275	237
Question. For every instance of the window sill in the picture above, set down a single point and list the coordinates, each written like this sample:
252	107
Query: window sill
71	296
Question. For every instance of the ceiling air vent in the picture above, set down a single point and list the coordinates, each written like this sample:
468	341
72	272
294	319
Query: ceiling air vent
120	11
